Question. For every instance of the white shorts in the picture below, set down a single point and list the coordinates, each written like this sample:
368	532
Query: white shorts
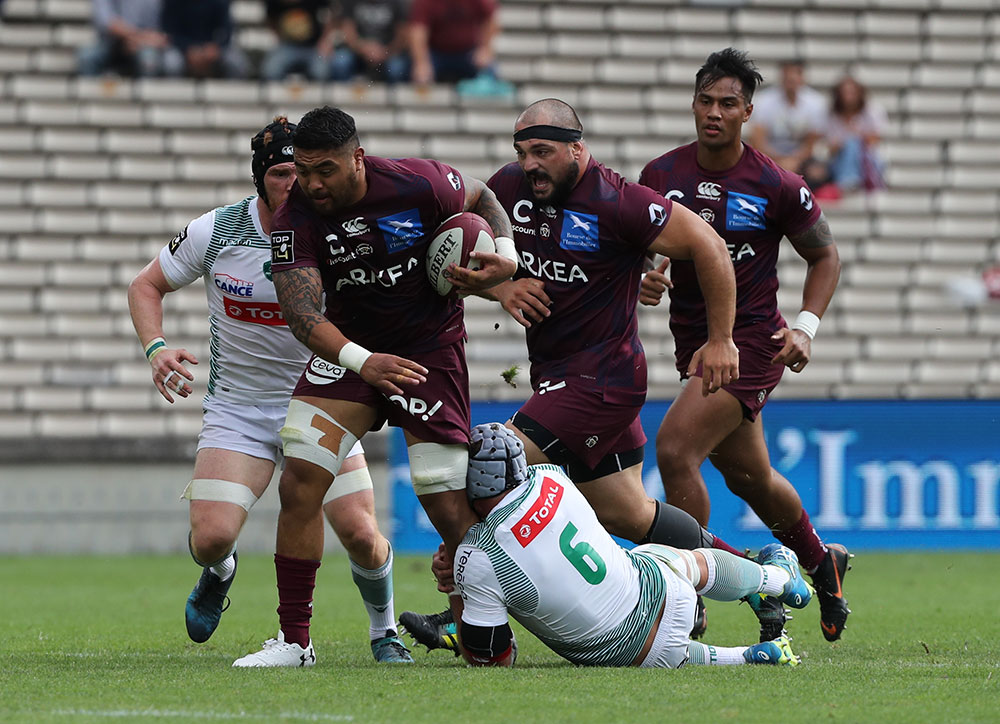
670	645
248	429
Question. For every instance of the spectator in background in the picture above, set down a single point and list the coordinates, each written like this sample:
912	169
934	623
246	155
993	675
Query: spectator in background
788	121
129	39
854	129
451	41
200	33
375	37
304	31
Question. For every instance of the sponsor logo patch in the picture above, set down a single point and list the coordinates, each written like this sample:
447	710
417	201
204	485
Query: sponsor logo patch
401	230
540	513
177	241
268	313
282	247
322	372
233	286
657	214
805	198
744	211
579	231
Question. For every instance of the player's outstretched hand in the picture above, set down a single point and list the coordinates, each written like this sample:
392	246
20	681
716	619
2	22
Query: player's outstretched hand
797	349
169	372
385	372
720	364
654	283
525	300
443	570
493	269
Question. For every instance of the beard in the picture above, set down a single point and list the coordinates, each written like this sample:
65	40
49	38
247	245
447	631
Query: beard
560	187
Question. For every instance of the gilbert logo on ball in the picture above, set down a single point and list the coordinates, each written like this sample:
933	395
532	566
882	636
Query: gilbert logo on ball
454	240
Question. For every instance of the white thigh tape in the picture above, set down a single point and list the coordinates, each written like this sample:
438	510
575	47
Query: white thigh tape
310	434
346	483
220	491
436	468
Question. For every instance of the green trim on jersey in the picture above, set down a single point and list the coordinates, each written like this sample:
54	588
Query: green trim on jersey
230	222
618	647
622	645
518	590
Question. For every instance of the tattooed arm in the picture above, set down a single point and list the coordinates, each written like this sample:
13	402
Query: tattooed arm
817	247
300	294
494	268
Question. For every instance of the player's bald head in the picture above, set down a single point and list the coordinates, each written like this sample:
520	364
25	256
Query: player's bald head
549	112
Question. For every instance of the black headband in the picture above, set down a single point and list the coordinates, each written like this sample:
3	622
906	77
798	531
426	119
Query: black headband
549	133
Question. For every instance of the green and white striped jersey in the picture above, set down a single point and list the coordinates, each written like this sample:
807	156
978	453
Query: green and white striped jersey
255	359
542	556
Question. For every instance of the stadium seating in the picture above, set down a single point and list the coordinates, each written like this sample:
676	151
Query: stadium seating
96	174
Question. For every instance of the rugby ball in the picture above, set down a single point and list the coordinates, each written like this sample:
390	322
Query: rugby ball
454	240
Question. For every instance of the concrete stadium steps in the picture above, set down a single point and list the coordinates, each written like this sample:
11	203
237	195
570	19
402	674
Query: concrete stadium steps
97	174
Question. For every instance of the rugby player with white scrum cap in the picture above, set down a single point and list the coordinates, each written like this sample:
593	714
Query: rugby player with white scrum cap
540	554
255	363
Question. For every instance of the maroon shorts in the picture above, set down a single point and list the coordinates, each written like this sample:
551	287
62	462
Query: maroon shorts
433	411
758	375
571	417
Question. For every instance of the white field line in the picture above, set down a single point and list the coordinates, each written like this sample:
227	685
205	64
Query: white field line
208	715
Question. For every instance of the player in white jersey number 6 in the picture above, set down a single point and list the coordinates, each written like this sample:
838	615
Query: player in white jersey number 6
255	363
540	554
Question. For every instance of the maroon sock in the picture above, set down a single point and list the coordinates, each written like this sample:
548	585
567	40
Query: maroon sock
721	545
805	541
296	581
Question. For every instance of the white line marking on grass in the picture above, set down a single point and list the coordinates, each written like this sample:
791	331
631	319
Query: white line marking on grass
178	714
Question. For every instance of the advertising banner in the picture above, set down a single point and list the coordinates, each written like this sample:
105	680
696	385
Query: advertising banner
873	475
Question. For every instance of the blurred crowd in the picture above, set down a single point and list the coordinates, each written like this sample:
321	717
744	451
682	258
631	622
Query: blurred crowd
832	142
422	41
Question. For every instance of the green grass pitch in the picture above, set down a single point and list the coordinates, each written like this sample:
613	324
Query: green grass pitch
99	639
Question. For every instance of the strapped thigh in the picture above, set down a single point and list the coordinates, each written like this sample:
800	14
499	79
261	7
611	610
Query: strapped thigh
219	491
311	434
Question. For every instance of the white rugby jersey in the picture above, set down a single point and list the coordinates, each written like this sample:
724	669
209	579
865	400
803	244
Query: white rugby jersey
255	359
543	556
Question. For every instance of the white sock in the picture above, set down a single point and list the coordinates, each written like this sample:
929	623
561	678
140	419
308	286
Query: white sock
703	654
225	569
774	581
376	593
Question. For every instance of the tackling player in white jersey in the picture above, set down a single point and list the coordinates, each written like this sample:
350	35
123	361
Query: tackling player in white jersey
540	554
255	363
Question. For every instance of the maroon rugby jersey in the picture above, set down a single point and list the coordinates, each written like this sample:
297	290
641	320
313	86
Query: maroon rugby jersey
751	206
589	253
371	255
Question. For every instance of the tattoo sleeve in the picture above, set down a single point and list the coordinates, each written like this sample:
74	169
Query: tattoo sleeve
300	294
479	198
816	236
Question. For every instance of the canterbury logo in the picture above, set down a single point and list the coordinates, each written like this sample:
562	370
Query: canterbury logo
712	190
355	226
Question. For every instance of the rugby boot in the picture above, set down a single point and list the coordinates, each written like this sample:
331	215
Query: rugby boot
206	603
433	630
828	579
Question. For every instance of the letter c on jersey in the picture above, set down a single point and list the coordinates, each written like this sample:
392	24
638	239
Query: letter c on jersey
518	215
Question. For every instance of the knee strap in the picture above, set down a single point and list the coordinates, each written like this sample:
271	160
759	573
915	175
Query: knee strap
220	491
437	468
310	434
